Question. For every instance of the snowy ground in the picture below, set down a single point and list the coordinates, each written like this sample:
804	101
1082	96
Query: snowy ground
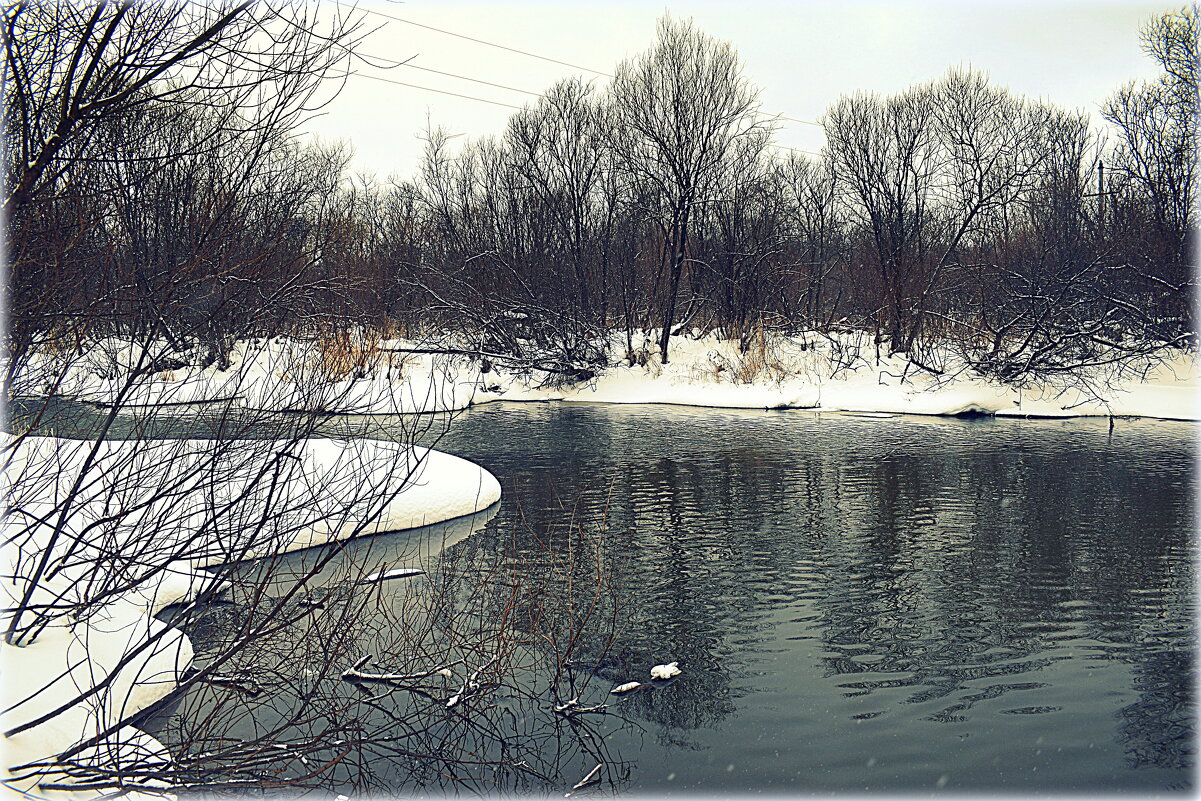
839	373
803	372
128	527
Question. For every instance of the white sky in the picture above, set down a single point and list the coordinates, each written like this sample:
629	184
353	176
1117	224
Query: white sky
803	54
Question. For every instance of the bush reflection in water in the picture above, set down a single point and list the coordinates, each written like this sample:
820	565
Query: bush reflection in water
858	604
467	664
875	604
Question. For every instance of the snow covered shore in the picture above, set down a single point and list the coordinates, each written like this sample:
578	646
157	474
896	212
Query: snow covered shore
804	374
835	373
133	523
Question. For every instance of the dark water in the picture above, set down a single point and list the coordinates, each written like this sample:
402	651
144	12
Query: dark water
877	604
858	604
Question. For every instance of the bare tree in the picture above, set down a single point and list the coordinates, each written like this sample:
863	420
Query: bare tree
70	68
1157	145
816	232
740	243
886	153
679	111
138	141
558	146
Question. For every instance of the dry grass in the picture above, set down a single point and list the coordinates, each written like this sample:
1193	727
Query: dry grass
340	355
647	357
758	363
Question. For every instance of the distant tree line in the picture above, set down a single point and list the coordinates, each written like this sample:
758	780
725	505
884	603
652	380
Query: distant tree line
163	194
152	184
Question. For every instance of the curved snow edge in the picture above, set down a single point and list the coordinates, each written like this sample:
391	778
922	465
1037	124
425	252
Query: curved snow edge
435	487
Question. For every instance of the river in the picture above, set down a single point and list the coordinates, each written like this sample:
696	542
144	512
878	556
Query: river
879	604
871	604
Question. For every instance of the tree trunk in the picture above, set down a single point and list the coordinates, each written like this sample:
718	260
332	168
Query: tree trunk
679	240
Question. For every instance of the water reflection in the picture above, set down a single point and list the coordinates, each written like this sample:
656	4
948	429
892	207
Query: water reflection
446	695
970	587
360	558
858	604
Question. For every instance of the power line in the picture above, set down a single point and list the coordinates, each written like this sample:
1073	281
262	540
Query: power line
369	58
793	149
502	86
806	122
394	62
473	80
518	108
490	44
511	50
790	119
439	91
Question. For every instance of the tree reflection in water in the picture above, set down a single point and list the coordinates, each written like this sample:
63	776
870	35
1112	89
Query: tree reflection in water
856	604
997	577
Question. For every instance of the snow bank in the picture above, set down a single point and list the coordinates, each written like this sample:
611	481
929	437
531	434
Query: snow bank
213	502
117	664
814	372
836	372
150	514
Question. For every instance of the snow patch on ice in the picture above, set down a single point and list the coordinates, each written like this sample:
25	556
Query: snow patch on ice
170	507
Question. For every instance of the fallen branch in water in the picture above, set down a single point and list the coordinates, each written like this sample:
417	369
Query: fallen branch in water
573	707
587	780
400	572
248	686
355	675
470	684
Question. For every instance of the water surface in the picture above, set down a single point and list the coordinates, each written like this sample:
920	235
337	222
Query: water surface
873	604
858	604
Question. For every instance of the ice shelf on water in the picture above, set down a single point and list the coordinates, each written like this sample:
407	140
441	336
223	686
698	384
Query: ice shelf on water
158	505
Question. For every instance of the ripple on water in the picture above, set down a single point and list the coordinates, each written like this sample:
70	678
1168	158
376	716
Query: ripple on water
858	604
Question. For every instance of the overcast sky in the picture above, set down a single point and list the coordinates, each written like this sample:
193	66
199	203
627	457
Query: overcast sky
802	54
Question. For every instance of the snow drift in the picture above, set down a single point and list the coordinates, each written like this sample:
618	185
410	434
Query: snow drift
127	525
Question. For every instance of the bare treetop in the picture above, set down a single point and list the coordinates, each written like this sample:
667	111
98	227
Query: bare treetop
69	67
